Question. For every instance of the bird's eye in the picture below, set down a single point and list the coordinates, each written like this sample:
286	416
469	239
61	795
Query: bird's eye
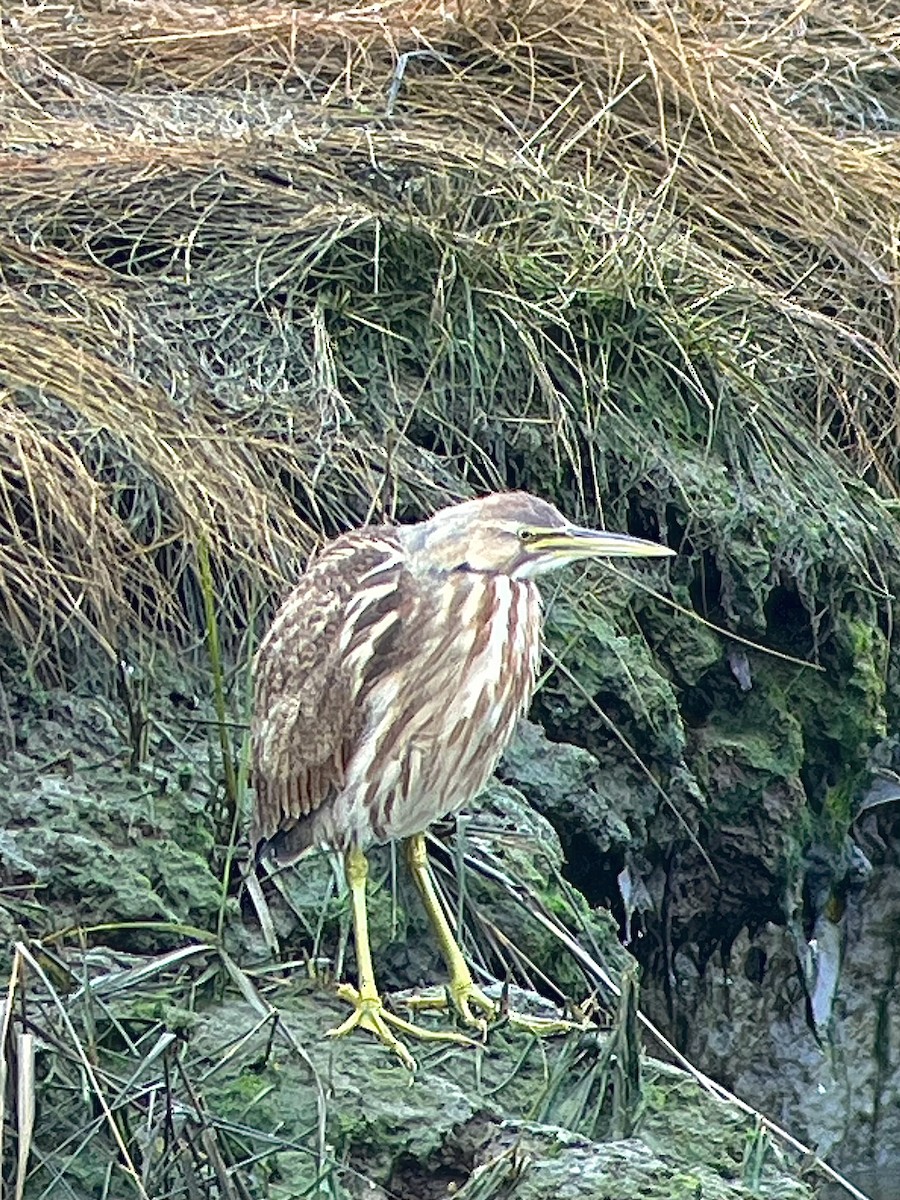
527	535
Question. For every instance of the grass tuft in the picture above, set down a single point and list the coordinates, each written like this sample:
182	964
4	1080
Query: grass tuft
270	271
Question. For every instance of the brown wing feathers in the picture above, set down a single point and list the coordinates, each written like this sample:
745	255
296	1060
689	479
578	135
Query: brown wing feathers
307	719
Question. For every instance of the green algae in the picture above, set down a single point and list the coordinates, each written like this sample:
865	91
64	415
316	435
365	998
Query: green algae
612	671
102	845
379	1119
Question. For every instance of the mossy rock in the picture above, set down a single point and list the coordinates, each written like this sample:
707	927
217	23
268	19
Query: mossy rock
96	843
594	808
522	847
612	689
465	1109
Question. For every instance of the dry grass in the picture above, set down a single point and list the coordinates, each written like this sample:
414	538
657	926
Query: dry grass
269	270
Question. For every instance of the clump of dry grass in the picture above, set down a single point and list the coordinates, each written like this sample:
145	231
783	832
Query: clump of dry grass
269	270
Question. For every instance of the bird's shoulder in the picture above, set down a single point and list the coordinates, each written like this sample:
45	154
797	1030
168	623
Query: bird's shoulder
341	564
308	623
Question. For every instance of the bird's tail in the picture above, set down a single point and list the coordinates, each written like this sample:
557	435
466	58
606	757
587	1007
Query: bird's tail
287	845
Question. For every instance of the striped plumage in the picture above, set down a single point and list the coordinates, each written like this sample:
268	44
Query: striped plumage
386	690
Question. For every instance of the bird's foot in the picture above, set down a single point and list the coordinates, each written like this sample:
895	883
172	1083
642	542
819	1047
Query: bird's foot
463	996
370	1014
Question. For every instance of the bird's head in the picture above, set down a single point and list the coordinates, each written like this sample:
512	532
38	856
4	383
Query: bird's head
515	534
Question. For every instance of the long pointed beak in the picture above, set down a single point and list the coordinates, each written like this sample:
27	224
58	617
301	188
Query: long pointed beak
575	542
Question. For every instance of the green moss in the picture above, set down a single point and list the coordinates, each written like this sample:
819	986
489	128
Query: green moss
616	681
686	1186
787	757
838	810
533	859
256	1095
106	845
688	648
182	878
165	1012
752	773
764	754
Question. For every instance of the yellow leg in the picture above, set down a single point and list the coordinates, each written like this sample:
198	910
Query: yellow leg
368	1011
463	991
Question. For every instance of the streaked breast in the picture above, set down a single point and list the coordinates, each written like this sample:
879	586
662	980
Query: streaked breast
436	735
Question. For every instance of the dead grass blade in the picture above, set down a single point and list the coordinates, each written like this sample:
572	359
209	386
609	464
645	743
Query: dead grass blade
88	1068
25	1107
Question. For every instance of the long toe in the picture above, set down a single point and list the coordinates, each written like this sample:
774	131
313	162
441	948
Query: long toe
370	1014
478	1011
470	997
544	1026
464	998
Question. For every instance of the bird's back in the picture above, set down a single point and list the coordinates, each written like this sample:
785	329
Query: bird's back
384	695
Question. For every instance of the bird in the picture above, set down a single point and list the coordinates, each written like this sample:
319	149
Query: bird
385	691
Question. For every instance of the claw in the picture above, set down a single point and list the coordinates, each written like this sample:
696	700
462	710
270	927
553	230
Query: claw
461	995
370	1014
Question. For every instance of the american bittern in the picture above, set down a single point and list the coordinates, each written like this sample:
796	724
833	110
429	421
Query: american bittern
386	690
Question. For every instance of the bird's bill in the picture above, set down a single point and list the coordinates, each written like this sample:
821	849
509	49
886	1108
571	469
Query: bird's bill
597	543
